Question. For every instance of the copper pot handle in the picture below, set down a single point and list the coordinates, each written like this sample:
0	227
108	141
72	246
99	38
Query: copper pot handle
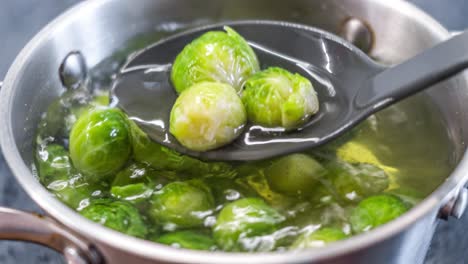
23	226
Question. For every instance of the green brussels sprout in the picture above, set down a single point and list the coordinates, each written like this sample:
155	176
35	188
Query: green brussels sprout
324	194
207	116
136	173
76	192
187	239
408	195
100	143
354	182
160	157
295	174
215	56
228	190
319	238
258	182
135	193
375	211
242	220
117	215
181	204
136	182
53	163
277	98
63	112
57	173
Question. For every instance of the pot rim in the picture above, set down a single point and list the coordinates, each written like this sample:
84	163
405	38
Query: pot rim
151	250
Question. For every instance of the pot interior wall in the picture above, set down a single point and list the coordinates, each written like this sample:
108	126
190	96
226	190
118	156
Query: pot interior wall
107	28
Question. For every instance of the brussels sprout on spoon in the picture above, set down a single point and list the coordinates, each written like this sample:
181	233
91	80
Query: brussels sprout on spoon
349	85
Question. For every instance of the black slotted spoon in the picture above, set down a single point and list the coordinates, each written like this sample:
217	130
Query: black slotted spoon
349	84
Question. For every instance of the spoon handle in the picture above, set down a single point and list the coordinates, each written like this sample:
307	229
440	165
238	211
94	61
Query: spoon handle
420	72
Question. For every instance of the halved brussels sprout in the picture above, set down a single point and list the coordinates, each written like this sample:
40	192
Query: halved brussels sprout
277	98
242	220
187	239
206	116
319	238
100	143
181	204
295	174
215	56
375	211
117	215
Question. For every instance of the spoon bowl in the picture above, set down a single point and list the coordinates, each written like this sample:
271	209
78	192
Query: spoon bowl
350	86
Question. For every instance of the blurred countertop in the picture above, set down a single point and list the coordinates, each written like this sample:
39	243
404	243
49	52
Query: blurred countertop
21	19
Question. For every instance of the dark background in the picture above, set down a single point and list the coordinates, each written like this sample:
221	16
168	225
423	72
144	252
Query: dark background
21	19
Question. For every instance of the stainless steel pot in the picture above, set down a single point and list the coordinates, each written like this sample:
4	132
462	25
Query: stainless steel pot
99	28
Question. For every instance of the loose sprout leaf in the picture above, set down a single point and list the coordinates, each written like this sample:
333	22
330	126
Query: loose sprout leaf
215	56
277	98
206	116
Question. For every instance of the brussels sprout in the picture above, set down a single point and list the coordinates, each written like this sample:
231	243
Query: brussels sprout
318	238
354	182
136	183
76	191
53	163
117	215
408	195
100	143
135	193
258	182
215	56
162	158
324	194
181	204
136	173
207	116
57	173
357	152
295	174
228	190
188	240
244	219
275	97
63	112
375	211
